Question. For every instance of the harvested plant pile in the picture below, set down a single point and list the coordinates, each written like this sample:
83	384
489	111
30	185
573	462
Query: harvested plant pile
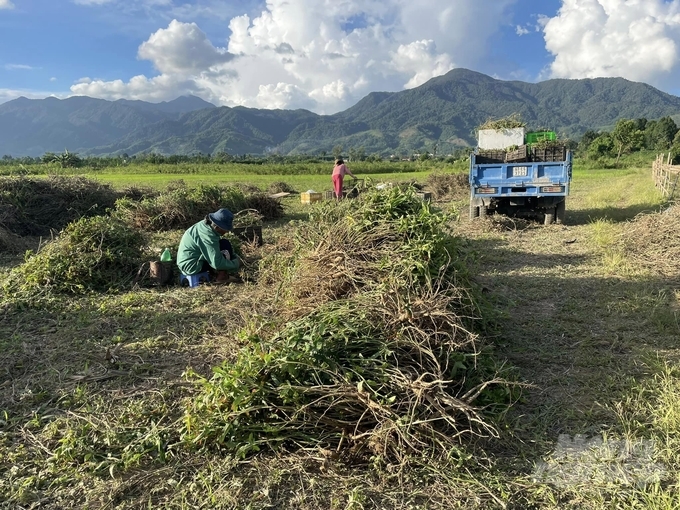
280	187
246	188
31	206
548	144
448	185
138	193
13	243
179	206
377	355
509	122
653	241
97	253
268	208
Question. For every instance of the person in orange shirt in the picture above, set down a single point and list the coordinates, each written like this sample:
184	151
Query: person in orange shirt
339	172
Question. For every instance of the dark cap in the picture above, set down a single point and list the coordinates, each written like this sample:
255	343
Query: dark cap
222	218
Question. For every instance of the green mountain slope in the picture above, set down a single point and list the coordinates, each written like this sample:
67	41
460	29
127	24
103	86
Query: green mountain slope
31	127
444	111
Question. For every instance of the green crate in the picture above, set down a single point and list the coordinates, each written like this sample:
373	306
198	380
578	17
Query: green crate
540	136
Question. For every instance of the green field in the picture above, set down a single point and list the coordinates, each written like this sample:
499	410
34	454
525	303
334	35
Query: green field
318	183
580	320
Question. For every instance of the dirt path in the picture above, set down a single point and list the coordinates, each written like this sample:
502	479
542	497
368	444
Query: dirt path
582	335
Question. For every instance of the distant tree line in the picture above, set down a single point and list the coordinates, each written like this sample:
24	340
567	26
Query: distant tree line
69	159
632	135
627	136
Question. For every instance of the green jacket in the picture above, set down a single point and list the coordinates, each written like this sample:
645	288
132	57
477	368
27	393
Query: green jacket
200	243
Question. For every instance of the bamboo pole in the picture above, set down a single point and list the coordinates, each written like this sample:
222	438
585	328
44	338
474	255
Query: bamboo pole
665	175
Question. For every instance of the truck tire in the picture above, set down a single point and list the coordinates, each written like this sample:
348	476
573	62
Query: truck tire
474	212
549	216
560	212
483	211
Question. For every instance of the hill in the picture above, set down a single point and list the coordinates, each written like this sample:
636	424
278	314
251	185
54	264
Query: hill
444	111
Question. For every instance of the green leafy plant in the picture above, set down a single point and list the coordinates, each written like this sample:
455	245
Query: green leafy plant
97	253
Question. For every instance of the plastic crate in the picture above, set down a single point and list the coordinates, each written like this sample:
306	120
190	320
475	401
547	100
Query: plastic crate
518	156
488	156
540	136
549	154
310	198
329	195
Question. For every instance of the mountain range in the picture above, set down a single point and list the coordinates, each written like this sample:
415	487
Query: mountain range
445	111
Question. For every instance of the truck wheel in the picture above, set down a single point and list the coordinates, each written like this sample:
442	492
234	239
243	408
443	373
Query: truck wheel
560	212
549	216
483	211
474	212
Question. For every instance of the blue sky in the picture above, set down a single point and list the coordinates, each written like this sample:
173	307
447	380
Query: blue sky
323	55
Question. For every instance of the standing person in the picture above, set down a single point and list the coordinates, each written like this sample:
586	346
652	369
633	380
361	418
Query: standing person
202	249
339	172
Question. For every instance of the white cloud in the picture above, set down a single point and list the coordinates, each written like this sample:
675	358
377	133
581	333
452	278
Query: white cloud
6	4
319	54
519	30
53	78
634	39
182	48
159	88
19	67
421	60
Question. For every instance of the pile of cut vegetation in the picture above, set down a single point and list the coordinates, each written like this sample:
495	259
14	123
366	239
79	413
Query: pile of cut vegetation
13	243
448	185
280	187
179	206
373	353
510	122
653	241
138	193
98	253
33	206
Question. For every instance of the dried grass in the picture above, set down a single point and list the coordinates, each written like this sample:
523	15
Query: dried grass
30	206
448	185
280	187
653	241
180	206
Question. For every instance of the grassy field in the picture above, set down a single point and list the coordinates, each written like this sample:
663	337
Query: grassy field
300	183
578	313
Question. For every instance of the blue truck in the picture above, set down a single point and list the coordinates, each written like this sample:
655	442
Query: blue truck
535	188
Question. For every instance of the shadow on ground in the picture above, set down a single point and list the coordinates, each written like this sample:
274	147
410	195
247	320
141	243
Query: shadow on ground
614	214
583	343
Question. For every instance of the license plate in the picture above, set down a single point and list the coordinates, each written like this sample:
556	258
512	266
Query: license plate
520	171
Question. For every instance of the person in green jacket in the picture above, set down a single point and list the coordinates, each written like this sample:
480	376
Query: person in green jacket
203	249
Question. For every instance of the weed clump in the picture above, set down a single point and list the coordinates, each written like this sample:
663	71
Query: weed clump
96	254
31	206
378	355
